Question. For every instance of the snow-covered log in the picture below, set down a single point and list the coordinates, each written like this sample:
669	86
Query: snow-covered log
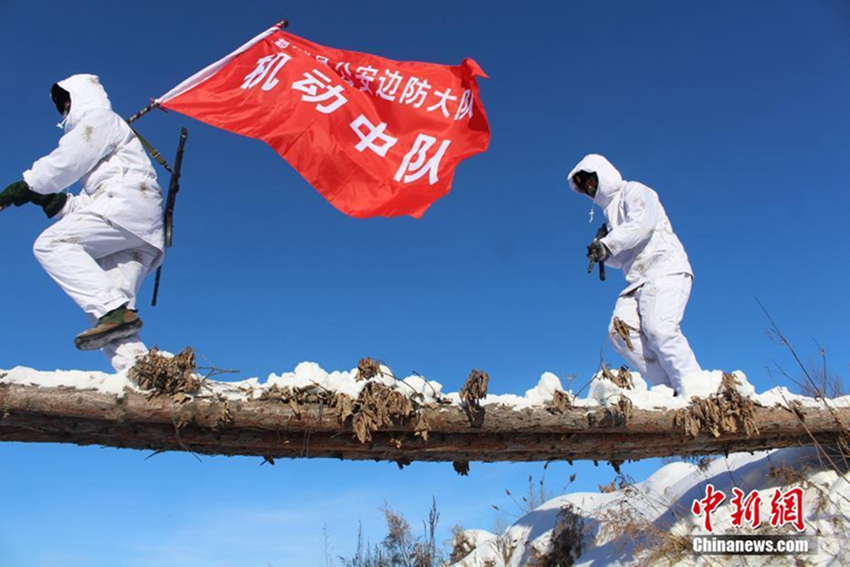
287	428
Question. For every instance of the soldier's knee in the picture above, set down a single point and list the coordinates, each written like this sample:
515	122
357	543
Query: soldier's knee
50	244
41	248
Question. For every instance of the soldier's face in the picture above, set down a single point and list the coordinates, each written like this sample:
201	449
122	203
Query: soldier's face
586	183
61	98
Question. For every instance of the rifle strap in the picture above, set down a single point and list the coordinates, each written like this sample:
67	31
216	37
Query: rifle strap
154	153
173	189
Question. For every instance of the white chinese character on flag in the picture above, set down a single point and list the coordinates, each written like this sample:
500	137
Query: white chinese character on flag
444	98
386	145
366	76
412	169
414	92
389	84
320	90
375	133
267	69
465	108
344	72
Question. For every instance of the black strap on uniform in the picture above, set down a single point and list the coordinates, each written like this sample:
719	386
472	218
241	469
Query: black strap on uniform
173	185
173	189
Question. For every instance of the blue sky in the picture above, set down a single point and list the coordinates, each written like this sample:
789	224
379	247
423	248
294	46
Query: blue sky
735	112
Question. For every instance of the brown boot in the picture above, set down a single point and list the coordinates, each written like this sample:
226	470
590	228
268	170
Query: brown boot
117	324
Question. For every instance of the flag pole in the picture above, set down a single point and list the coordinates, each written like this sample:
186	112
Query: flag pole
282	24
142	112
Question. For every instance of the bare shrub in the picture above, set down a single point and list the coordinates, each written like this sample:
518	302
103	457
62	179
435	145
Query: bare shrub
819	383
567	540
823	383
627	523
537	493
400	548
461	545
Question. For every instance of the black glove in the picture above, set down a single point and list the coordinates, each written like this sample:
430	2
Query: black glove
52	203
597	251
18	193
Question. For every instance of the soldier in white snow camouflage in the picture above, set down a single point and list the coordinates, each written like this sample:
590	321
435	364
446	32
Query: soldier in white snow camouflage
641	241
109	236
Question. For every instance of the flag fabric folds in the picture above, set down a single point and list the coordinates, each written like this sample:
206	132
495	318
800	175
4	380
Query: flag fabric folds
375	137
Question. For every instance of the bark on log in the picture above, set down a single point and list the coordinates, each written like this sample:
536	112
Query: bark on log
274	430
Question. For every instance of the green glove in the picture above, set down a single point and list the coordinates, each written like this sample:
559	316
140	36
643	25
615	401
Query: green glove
52	203
18	193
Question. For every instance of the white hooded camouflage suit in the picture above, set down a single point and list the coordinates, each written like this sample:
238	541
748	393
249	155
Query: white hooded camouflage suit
642	243
110	236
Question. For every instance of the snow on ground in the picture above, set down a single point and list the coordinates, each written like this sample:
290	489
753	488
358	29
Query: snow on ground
310	375
657	514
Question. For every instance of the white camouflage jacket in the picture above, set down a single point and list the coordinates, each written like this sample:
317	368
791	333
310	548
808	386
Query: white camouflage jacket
100	151
641	239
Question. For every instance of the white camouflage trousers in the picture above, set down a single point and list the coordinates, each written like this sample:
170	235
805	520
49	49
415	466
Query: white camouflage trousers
101	267
653	313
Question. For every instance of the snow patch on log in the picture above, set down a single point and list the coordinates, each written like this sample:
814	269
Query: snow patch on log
602	392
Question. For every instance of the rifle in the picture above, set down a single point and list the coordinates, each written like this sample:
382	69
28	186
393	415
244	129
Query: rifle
600	234
173	189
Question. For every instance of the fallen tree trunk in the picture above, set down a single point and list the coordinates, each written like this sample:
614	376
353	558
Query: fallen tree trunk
272	429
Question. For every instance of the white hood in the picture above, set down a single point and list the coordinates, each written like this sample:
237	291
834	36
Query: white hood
610	180
86	94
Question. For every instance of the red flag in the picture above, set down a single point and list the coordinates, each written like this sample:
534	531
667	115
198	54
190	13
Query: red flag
375	137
